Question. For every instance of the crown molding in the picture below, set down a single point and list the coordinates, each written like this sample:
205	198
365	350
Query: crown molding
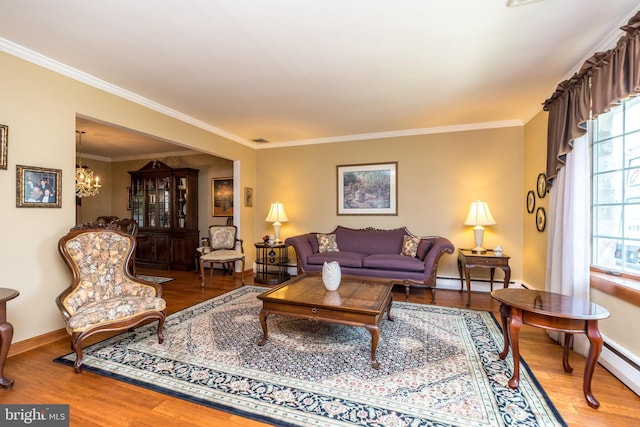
60	68
514	3
394	134
145	156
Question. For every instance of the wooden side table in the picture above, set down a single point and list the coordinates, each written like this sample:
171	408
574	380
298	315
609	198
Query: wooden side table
6	332
272	262
467	259
547	310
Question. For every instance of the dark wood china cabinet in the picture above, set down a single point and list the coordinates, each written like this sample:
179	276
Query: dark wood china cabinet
165	205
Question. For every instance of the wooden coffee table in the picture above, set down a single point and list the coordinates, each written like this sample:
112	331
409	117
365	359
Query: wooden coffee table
556	312
358	301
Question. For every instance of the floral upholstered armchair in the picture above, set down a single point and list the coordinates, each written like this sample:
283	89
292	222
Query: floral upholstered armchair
103	296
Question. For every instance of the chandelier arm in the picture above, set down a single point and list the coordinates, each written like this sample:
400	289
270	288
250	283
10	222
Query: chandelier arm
86	184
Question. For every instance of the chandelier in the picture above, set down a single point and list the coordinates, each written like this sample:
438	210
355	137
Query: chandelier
86	184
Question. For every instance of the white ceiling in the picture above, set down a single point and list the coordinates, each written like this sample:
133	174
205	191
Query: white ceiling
302	71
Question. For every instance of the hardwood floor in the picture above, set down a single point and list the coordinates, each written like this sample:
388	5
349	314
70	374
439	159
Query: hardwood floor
99	401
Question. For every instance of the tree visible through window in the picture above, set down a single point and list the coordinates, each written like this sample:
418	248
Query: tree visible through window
616	189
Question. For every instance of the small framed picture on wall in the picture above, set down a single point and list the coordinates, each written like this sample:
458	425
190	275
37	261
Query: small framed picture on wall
4	145
248	197
38	187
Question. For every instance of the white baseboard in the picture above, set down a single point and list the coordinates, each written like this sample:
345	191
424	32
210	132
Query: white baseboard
453	283
622	364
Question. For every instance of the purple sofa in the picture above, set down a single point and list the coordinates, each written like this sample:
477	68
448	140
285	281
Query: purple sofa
371	252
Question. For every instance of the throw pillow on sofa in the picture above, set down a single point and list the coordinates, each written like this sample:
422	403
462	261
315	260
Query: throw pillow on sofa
410	245
327	243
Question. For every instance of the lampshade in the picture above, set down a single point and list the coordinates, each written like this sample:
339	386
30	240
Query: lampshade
276	216
479	214
277	213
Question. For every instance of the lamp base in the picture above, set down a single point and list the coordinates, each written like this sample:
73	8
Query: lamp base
478	234
276	232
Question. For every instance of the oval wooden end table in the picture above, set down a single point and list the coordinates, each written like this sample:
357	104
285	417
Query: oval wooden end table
6	332
555	312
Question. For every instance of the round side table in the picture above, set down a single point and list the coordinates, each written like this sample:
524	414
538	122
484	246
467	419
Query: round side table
6	332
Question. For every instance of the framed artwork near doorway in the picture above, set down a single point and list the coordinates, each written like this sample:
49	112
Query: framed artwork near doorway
248	197
222	196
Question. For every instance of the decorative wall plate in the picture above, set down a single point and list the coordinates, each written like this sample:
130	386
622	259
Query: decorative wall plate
541	219
542	185
531	201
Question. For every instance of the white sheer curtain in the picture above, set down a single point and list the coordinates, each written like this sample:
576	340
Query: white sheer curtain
569	241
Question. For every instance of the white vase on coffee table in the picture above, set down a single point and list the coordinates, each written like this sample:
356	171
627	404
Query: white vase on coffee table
331	275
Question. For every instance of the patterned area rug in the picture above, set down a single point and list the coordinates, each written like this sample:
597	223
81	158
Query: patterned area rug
439	367
154	279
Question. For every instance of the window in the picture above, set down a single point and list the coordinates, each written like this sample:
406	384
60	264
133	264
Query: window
616	189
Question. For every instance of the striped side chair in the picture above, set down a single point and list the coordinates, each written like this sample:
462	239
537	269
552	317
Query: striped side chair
225	248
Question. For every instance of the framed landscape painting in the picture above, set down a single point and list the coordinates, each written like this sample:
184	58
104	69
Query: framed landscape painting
38	187
368	189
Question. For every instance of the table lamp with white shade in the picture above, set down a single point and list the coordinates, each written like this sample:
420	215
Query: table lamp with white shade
277	215
478	216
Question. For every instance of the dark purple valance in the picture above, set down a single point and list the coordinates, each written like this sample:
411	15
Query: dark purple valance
604	80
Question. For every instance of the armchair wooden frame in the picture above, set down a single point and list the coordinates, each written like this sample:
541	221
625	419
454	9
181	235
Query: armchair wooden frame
144	298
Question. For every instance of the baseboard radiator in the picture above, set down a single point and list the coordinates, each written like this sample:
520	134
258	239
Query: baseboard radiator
622	364
477	285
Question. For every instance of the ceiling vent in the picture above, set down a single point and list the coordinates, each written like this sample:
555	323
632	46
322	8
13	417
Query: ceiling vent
260	140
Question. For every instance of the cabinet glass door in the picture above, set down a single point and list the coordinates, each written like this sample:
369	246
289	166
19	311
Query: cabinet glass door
163	203
137	200
157	212
181	201
151	219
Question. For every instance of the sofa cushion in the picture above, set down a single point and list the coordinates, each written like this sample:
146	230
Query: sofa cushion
424	247
345	259
312	238
410	245
370	241
327	243
393	262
